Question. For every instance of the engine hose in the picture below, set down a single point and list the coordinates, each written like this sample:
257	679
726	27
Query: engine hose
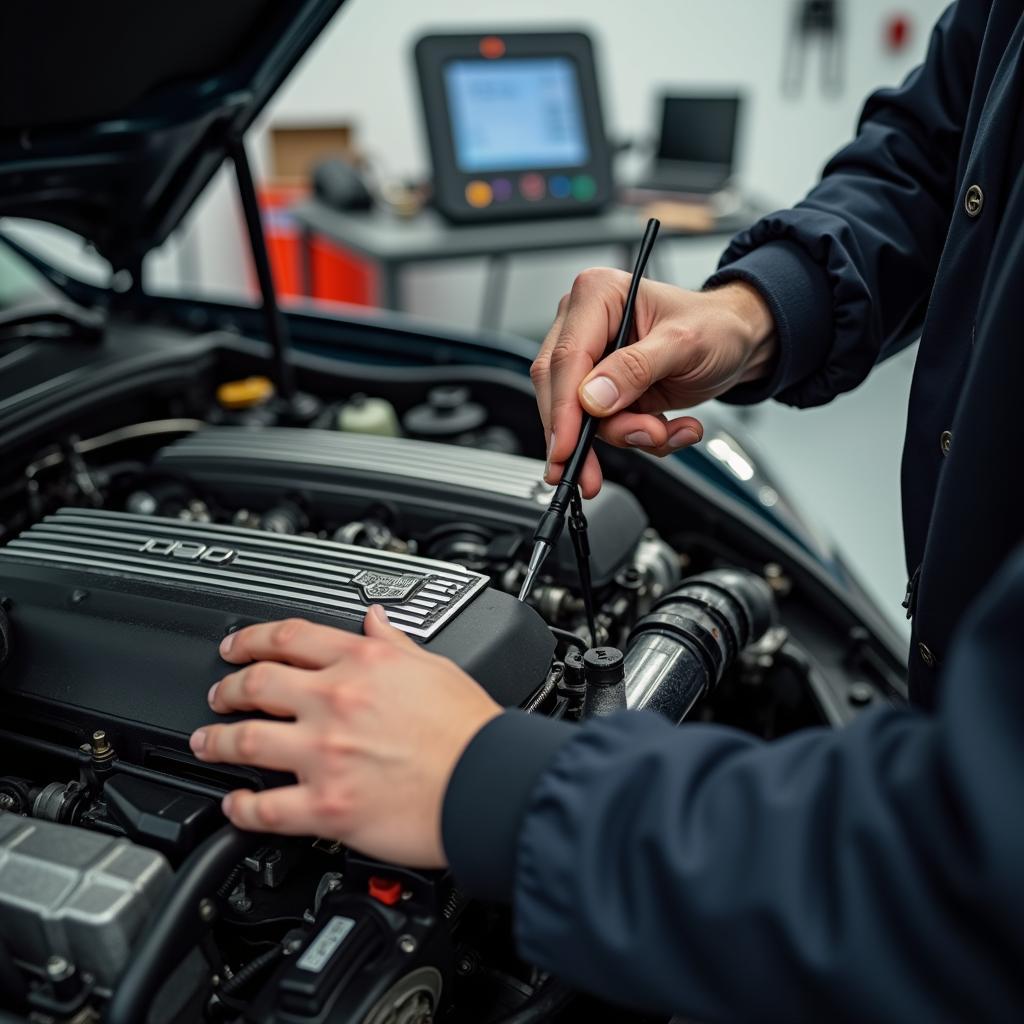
13	987
179	922
549	998
682	647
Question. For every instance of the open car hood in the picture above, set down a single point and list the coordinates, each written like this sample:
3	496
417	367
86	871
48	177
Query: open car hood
114	116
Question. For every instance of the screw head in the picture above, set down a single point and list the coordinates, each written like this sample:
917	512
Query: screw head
57	966
860	693
407	944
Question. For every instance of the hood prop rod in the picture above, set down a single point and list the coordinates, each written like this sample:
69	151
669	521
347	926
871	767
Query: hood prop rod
295	407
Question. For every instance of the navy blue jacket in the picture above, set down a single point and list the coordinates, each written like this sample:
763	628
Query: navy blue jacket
876	872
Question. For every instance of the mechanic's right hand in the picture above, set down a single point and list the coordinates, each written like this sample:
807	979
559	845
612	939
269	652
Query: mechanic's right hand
689	347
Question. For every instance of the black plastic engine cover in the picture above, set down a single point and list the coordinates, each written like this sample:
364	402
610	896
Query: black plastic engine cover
427	485
116	618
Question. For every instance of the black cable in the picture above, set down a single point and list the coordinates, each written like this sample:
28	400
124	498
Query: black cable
581	547
180	921
570	638
549	999
252	970
225	890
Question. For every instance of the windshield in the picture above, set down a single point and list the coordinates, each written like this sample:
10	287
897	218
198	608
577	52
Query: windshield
21	284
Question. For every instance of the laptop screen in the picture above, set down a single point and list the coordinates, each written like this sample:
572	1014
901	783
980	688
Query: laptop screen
699	129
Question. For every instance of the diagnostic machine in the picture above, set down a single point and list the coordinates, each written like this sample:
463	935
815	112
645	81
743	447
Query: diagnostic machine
514	125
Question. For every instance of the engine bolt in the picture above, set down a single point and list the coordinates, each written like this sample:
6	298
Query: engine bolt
100	748
406	943
777	579
57	966
240	903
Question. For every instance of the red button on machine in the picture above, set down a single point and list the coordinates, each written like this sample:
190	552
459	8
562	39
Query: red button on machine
387	890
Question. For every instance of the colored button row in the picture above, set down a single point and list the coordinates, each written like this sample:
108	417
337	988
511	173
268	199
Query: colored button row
532	186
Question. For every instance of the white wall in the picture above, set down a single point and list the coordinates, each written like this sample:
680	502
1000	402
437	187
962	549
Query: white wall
361	69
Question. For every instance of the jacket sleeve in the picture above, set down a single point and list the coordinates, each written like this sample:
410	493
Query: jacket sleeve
870	873
848	271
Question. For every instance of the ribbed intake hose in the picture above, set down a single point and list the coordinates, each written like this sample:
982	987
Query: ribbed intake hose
682	647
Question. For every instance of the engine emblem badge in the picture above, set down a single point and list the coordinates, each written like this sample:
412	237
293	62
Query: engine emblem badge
385	586
189	550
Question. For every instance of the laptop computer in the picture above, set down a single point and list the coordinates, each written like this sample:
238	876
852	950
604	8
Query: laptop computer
697	145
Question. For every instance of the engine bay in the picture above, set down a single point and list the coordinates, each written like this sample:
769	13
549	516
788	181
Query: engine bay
131	545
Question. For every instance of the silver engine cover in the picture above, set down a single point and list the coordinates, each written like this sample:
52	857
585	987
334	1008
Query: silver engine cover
76	894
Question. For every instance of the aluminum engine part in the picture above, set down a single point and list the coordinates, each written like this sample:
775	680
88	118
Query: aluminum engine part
431	485
75	894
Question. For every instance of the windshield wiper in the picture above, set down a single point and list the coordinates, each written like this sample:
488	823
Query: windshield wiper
41	323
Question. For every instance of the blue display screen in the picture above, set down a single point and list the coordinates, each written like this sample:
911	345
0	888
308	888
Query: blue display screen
517	113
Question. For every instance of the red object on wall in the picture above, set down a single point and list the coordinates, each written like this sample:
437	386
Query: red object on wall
334	274
897	32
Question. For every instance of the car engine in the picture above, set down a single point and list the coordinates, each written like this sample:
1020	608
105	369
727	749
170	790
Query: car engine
129	554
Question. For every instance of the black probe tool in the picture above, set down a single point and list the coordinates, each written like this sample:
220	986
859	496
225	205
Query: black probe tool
549	529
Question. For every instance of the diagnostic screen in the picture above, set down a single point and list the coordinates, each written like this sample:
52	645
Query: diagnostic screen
516	113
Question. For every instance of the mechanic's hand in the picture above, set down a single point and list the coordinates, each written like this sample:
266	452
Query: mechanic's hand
378	726
691	346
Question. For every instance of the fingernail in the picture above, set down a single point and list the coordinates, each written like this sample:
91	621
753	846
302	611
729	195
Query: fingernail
379	614
640	439
683	437
225	644
225	804
197	740
212	693
551	445
601	393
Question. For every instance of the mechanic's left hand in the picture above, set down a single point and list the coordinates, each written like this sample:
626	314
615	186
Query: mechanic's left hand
379	725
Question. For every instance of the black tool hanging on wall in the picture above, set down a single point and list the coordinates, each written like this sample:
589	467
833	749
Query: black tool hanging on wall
814	21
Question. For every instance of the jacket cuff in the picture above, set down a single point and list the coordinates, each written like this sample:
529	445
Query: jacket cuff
798	295
488	795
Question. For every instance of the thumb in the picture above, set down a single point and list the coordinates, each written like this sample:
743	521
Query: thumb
377	625
621	378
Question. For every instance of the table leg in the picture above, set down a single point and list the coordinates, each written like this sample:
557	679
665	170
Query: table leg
389	288
306	261
495	286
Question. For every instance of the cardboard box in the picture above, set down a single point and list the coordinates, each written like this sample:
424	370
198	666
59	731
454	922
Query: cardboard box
294	150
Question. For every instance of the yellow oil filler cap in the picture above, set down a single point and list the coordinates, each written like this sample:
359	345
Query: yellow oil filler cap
245	393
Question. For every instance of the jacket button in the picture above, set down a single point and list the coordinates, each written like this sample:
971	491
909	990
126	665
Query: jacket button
946	441
973	201
926	655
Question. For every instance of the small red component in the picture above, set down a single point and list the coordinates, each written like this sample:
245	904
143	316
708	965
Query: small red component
492	47
897	32
387	890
